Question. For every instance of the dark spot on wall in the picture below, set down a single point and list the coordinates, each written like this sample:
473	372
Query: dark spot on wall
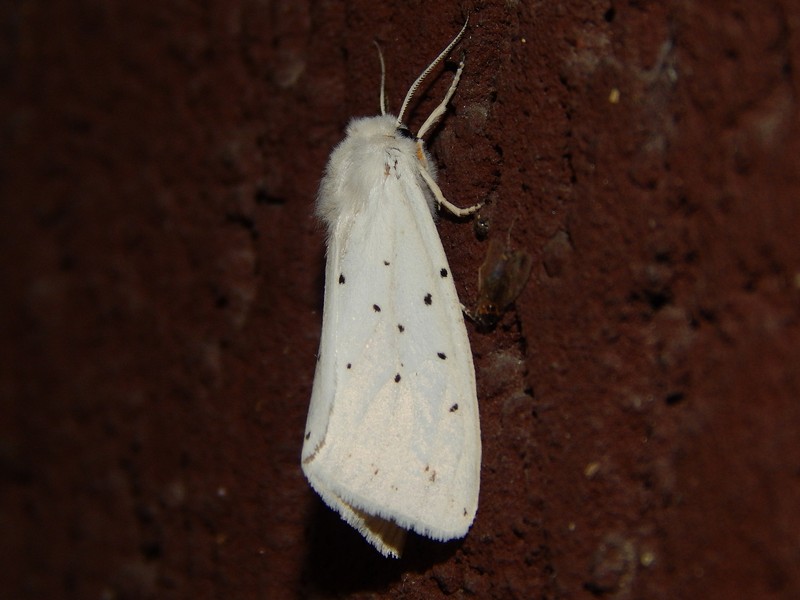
243	221
674	398
262	196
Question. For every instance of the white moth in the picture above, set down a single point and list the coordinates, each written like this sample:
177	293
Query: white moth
392	440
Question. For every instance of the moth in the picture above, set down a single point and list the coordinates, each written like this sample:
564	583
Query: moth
392	439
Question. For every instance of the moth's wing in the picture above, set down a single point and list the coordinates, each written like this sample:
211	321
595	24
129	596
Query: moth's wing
491	265
393	429
490	274
501	279
518	270
319	465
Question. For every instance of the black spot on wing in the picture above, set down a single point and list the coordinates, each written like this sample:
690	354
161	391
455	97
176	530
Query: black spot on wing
376	308
454	408
386	262
443	273
428	299
349	365
397	378
308	435
341	278
441	355
400	328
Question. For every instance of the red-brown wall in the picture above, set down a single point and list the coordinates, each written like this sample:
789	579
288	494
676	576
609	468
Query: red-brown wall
162	281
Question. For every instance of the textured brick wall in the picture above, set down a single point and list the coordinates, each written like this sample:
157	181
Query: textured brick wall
162	291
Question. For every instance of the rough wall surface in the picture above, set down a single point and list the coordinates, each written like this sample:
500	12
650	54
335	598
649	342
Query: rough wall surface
162	281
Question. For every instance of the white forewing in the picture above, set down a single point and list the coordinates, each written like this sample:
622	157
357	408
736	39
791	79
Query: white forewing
392	435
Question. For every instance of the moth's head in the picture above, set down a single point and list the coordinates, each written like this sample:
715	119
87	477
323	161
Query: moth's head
405	132
371	127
